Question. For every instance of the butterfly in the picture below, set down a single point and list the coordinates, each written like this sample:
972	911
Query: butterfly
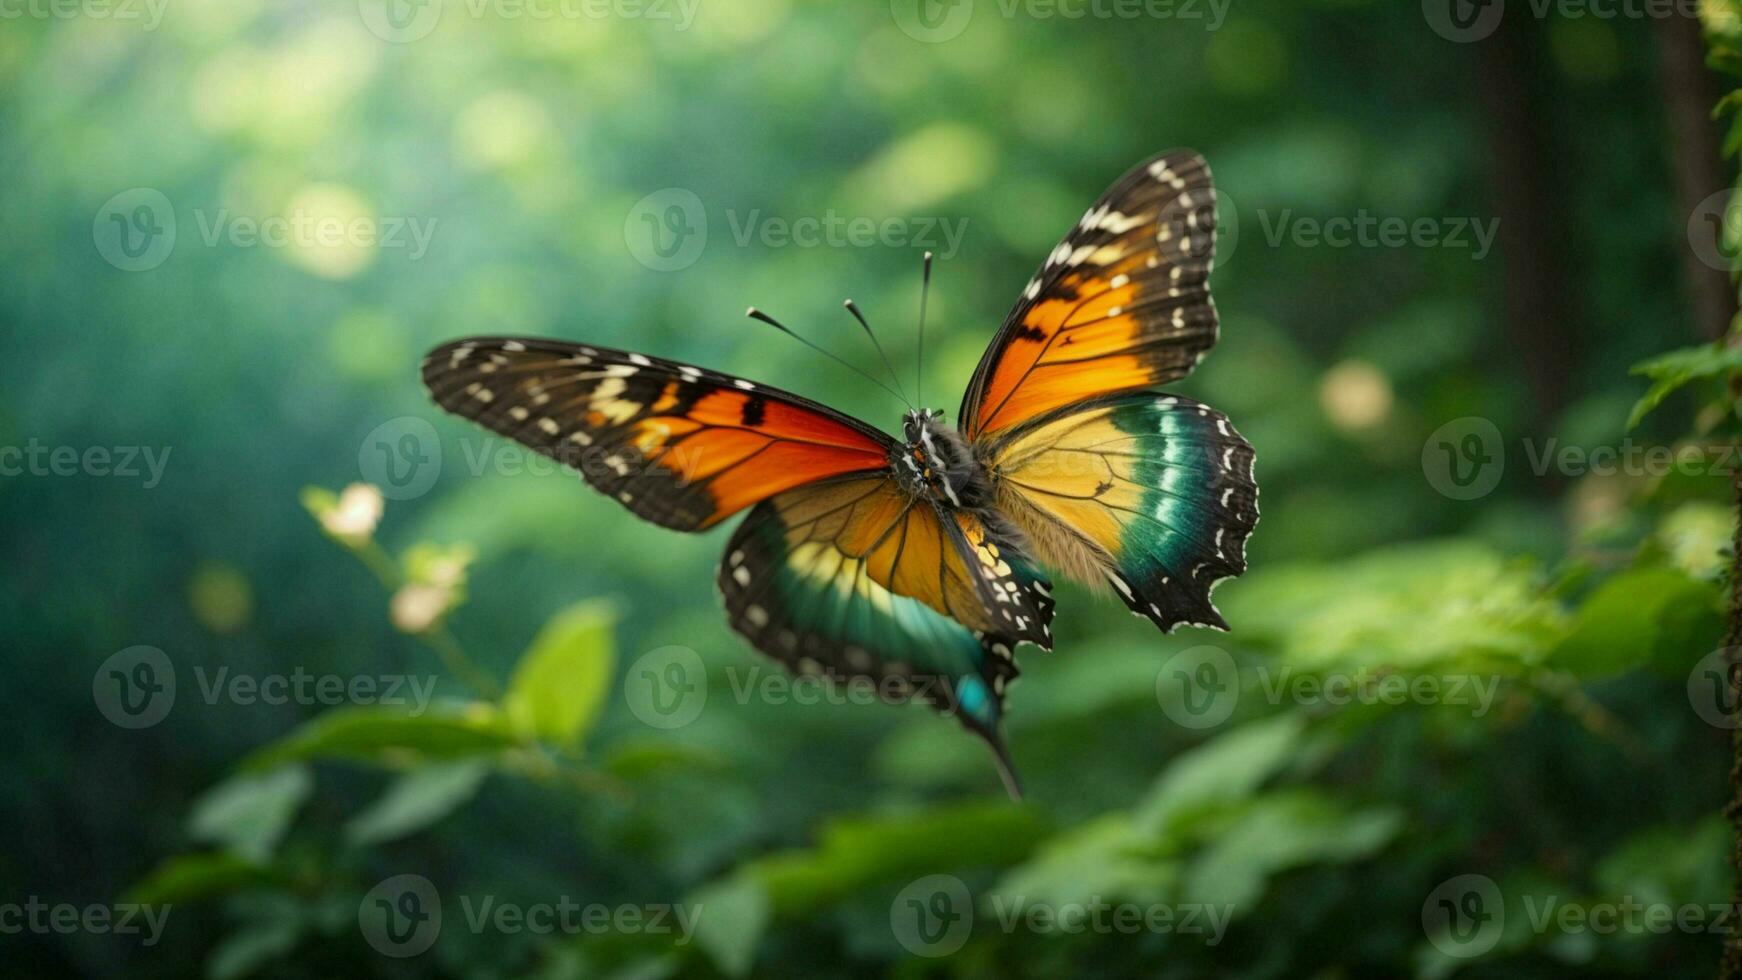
916	564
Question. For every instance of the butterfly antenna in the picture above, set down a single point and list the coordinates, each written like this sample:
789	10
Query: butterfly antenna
919	367
756	314
853	308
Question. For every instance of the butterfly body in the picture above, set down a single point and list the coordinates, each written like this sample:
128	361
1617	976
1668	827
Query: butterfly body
938	463
914	565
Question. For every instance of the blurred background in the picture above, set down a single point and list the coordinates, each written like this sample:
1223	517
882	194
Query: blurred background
478	721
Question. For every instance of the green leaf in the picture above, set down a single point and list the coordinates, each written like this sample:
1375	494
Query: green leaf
194	877
736	916
1670	864
249	813
1103	858
1452	606
254	946
1669	372
562	679
1224	770
1281	831
417	800
381	735
1624	622
854	854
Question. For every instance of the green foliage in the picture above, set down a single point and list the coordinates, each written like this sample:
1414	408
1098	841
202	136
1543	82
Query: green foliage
416	800
1565	609
559	686
1672	371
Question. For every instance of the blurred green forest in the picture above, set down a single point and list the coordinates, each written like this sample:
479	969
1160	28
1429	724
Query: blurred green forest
621	174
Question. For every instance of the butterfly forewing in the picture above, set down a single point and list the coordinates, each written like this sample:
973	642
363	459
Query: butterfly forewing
1122	303
680	446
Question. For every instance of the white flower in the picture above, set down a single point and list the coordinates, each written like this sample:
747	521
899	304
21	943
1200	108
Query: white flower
354	518
417	607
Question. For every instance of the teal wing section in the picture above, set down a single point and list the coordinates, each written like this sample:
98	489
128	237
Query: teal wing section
1152	492
856	581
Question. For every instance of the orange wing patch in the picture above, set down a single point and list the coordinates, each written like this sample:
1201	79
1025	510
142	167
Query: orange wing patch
1122	303
682	447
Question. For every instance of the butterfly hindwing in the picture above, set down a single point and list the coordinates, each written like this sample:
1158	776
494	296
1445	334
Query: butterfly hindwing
1122	303
859	581
680	446
1152	493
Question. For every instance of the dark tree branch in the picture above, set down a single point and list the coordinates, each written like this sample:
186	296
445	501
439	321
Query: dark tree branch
1688	95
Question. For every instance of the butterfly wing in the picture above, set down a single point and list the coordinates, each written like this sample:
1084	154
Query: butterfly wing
1150	493
855	579
1121	304
680	446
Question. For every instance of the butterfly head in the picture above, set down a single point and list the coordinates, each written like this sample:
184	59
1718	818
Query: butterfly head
915	424
936	462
